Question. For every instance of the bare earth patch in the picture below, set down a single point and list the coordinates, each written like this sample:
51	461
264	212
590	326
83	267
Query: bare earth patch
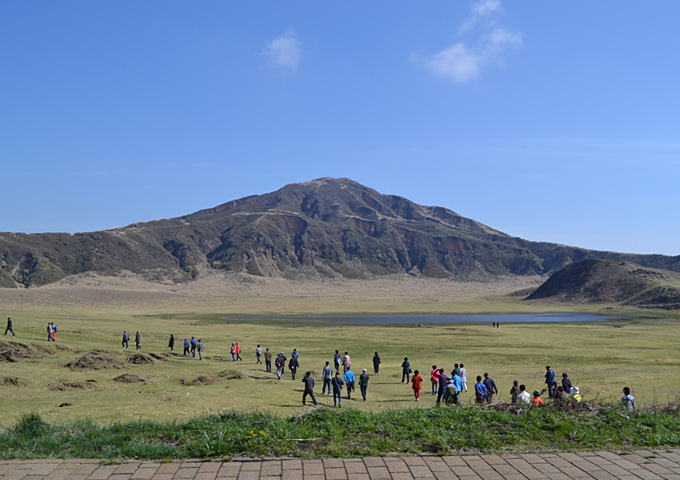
15	352
129	378
201	380
69	386
141	359
9	381
232	375
95	360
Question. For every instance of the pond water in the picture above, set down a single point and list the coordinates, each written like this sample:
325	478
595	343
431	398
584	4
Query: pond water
429	319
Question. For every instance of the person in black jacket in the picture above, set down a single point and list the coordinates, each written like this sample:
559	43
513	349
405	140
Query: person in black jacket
376	363
171	343
491	388
9	327
337	384
566	383
406	370
138	340
309	388
363	383
293	365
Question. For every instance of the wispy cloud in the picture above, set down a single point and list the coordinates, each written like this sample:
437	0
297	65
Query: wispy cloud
284	51
462	63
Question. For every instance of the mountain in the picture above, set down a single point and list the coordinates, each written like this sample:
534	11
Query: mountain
602	281
321	228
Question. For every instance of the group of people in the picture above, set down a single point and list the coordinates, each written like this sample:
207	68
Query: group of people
126	340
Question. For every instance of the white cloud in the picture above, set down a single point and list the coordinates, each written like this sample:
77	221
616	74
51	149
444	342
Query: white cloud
462	63
284	51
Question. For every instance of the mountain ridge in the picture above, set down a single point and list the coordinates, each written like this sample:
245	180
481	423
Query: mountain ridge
320	228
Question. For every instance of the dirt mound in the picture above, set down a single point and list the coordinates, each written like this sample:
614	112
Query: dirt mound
201	380
141	359
15	351
10	381
95	360
69	386
158	357
232	375
128	378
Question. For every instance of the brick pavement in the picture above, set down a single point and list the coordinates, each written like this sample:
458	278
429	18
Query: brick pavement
663	464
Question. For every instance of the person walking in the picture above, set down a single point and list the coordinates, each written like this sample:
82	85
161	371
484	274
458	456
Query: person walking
9	327
186	347
337	384
193	343
346	362
295	354
349	380
49	332
280	364
258	354
171	343
434	379
309	388
441	388
376	364
54	332
491	388
233	352
363	383
327	376
337	360
126	339
238	352
463	376
293	365
199	347
480	391
138	339
268	360
417	384
406	370
458	383
549	379
514	391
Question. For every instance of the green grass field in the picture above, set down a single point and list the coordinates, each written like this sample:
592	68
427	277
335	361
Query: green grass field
600	358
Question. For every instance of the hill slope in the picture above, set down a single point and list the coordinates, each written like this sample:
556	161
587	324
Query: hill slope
600	281
322	228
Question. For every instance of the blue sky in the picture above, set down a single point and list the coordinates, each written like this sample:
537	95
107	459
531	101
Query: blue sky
553	121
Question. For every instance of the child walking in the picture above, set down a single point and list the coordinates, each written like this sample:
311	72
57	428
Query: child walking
417	386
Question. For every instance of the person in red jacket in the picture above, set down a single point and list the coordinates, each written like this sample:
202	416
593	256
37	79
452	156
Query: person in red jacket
417	382
434	379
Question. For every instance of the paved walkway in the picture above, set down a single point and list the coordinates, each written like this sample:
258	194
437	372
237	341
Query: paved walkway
641	464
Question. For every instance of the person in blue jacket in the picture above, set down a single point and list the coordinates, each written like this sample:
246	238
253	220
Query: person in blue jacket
480	391
549	379
186	347
349	380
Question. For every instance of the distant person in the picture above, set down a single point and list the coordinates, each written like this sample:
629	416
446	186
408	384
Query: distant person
376	364
514	391
258	354
456	369
523	398
363	383
346	362
327	376
491	388
480	391
280	363
186	347
537	401
549	379
268	360
293	366
566	383
349	380
309	387
126	339
562	394
138	340
441	388
171	343
199	347
9	328
337	360
54	332
555	391
458	383
193	343
337	384
238	351
406	370
463	376
434	379
49	332
233	351
417	384
628	401
295	354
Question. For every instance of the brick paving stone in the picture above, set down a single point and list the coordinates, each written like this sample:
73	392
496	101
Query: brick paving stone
396	465
494	459
58	474
436	464
419	471
227	470
186	472
602	475
168	468
647	475
414	461
124	468
291	464
445	475
141	474
361	476
452	461
251	466
401	476
118	476
355	467
250	475
270	477
378	472
291	475
333	463
312	467
270	470
205	476
209	467
163	476
374	462
336	474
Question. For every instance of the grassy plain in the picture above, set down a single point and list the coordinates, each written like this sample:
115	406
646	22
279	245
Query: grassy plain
600	357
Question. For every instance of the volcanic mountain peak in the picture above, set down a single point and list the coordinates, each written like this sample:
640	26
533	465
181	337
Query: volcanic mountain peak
320	228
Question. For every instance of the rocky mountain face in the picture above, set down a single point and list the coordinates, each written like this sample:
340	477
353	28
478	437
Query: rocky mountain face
322	228
602	281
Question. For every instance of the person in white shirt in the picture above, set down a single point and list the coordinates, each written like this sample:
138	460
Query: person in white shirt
628	400
524	398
